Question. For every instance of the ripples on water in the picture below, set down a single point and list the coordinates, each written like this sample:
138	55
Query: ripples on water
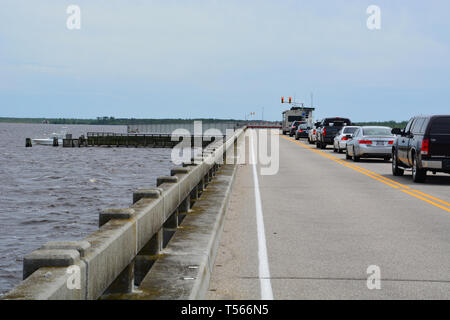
50	194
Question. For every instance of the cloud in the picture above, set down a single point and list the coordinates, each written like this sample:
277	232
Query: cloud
236	50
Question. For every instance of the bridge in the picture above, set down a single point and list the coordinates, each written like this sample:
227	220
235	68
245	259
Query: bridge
319	227
322	227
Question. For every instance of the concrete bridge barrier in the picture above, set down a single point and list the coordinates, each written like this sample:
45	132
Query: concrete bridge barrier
119	255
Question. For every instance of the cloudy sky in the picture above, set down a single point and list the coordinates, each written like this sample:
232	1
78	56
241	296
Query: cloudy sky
223	58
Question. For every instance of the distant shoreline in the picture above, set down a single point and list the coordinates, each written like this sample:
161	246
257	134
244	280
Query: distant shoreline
106	121
127	121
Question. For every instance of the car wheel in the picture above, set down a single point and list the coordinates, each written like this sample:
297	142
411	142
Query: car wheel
355	157
347	156
396	171
323	146
318	145
334	148
418	175
296	137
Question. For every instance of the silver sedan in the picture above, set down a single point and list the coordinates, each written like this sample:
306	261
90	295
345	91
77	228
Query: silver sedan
340	141
370	142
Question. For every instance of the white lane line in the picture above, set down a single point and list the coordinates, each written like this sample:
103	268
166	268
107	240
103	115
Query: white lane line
264	273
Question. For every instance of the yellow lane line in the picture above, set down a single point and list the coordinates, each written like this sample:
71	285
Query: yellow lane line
394	184
424	199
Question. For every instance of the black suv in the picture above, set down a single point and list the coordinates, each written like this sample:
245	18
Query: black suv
329	127
423	145
294	127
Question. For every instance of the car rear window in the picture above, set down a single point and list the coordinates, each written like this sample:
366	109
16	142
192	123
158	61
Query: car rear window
303	126
350	130
337	122
440	126
377	132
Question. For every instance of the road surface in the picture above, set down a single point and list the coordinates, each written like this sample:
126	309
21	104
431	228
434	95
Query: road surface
326	220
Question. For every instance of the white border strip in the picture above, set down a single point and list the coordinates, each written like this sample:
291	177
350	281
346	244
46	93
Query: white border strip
264	273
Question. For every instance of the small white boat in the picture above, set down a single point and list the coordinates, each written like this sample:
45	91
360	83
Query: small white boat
49	141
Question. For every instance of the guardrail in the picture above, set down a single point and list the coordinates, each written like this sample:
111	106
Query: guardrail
263	125
114	258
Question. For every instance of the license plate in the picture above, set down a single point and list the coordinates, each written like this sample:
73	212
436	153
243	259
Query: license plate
380	143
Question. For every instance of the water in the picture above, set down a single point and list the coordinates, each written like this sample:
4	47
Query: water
50	194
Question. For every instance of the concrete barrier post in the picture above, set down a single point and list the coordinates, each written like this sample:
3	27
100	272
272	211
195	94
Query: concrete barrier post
179	170
124	282
185	205
147	257
193	196
152	193
120	213
48	258
169	228
166	179
81	246
183	209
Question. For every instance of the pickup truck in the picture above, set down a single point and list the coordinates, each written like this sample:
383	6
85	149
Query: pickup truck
328	129
422	146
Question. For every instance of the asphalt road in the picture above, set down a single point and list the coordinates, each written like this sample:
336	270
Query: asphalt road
325	222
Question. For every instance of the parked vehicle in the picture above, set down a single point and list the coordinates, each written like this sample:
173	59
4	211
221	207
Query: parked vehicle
340	141
294	127
422	146
370	142
329	127
302	131
312	133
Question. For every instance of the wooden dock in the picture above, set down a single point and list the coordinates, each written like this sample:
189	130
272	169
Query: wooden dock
154	140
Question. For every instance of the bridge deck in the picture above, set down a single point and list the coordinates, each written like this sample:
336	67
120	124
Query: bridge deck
326	222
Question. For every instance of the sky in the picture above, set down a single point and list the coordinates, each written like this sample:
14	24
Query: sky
224	58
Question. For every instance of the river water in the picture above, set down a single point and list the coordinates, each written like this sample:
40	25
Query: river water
54	193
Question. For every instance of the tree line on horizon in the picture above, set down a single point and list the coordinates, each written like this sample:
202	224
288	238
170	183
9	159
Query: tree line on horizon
127	121
391	123
108	120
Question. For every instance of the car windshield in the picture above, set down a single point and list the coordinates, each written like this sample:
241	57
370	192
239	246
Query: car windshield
293	118
350	130
377	132
440	126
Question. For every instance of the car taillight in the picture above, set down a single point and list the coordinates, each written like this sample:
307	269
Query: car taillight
314	131
300	130
365	142
344	138
324	131
425	147
391	142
